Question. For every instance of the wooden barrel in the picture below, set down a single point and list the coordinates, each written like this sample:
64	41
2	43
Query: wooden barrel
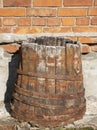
49	88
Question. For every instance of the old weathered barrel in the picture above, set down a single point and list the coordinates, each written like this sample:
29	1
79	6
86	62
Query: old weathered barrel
49	88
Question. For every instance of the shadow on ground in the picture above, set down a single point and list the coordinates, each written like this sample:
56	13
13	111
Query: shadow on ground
13	64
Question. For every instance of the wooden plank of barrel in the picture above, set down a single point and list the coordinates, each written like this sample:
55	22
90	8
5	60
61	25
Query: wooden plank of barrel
32	83
24	66
49	89
41	68
60	69
50	69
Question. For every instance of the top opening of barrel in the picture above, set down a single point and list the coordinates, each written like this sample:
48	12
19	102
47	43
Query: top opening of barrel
50	41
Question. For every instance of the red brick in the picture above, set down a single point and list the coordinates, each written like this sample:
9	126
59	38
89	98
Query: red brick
16	3
94	21
9	21
41	12
53	22
85	48
77	2
0	22
38	21
88	40
68	21
11	48
31	3
32	30
92	12
94	48
85	40
74	38
47	3
95	2
84	29
1	3
82	21
27	30
12	12
5	30
72	12
57	30
65	29
24	21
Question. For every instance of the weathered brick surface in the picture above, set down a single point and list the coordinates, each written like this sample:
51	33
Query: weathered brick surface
94	48
53	22
11	48
21	16
47	3
74	38
85	49
92	12
12	3
88	40
77	2
0	22
94	21
27	30
9	21
39	21
82	21
24	21
71	12
1	3
95	3
12	12
44	12
68	21
85	29
5	30
57	30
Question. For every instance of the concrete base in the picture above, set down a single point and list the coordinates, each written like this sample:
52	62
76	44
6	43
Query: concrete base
89	62
5	58
8	65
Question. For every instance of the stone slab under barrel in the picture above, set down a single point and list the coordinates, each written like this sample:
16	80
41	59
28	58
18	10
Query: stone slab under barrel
49	89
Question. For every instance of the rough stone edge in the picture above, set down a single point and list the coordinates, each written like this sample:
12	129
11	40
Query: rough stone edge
10	37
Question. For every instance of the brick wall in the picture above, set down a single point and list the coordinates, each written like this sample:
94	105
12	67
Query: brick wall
77	19
51	16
